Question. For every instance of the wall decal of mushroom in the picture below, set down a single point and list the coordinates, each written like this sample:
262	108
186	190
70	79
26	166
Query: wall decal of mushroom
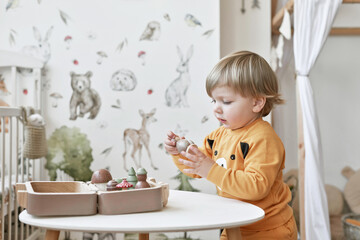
141	56
55	96
101	56
67	41
192	21
151	32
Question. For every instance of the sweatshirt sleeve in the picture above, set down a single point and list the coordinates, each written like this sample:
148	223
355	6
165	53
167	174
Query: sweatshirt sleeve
261	167
206	149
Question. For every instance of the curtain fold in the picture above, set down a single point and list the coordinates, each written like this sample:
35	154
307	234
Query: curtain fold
312	24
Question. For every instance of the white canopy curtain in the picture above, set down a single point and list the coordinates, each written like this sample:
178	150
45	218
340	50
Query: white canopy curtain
312	24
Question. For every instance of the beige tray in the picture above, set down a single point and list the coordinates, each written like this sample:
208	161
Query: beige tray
130	201
79	198
57	198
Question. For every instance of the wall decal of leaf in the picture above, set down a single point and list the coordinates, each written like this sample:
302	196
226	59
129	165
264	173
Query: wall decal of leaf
121	45
208	33
64	17
12	35
106	151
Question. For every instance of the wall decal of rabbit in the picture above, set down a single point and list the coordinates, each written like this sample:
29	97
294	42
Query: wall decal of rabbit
175	94
138	138
42	50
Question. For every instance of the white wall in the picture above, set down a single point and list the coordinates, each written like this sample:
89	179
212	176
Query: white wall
336	82
245	31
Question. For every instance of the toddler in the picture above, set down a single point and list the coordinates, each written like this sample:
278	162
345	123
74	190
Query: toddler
244	157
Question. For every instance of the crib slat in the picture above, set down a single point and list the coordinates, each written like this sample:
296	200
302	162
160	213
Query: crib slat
16	212
3	178
10	174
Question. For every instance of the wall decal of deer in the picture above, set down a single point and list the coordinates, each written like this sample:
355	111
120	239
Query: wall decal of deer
138	138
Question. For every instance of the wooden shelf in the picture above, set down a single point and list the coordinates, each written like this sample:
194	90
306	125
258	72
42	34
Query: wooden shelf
337	31
345	31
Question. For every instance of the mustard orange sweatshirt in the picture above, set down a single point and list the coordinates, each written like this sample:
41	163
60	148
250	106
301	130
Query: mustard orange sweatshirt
249	168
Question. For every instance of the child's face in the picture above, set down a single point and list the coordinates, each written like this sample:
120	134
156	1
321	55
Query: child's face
231	109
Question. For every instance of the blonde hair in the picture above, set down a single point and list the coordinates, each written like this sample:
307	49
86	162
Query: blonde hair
249	74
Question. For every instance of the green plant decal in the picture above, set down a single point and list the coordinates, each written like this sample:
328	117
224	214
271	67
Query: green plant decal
69	150
185	183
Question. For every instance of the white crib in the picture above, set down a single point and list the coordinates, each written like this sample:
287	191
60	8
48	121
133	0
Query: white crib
14	167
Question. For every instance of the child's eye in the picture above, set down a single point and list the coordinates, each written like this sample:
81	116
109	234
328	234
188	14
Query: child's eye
226	102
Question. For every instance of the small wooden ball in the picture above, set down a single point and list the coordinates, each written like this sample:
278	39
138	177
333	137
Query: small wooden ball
182	145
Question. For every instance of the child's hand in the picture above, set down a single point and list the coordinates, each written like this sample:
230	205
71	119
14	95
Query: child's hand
199	163
170	143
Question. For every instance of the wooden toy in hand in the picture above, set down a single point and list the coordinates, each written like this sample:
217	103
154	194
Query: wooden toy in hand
183	144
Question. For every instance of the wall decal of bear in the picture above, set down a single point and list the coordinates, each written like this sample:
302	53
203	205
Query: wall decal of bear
83	97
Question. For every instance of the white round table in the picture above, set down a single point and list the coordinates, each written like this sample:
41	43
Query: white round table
185	211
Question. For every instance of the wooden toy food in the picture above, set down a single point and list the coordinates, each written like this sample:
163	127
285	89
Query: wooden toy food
111	185
100	178
183	144
141	176
124	185
131	178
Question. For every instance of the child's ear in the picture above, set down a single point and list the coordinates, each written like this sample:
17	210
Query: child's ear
258	104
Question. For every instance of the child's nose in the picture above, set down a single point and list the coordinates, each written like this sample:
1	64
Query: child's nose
217	108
